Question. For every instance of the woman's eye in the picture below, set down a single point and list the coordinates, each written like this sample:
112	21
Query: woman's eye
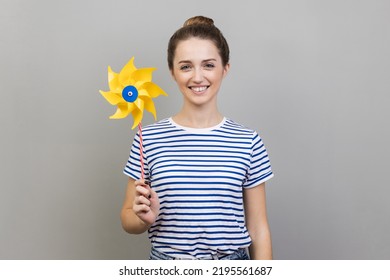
209	66
185	67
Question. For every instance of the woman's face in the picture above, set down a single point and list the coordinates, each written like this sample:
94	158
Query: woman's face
198	71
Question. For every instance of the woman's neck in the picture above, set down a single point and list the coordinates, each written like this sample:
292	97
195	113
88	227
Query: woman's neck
198	118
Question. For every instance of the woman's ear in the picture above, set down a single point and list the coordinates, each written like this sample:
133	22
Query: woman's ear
226	69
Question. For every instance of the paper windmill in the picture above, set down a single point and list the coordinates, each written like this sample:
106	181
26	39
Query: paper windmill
132	91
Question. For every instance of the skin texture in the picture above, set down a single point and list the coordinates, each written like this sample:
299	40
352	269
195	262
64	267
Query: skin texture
140	208
198	71
257	223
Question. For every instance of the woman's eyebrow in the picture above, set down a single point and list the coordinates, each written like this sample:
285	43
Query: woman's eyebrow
184	61
189	61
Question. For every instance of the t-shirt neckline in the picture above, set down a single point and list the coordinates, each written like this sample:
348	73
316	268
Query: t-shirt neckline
197	130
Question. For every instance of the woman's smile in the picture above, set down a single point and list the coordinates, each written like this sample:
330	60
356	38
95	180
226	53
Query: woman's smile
199	89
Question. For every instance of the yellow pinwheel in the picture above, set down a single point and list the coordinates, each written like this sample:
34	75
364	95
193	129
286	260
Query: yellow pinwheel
132	91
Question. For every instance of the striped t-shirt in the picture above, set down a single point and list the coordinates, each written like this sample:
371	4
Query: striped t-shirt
199	175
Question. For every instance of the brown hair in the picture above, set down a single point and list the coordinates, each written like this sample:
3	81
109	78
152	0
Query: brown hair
203	28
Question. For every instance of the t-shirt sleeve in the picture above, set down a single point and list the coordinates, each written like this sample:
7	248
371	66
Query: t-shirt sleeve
133	165
259	170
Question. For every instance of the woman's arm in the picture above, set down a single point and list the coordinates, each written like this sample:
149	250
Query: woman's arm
257	223
140	208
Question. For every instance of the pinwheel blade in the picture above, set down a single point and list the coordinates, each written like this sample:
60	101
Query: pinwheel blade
113	82
153	89
139	103
143	74
122	111
124	76
111	97
137	116
148	103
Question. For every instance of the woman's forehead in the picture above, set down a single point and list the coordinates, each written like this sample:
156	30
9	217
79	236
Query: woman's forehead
196	49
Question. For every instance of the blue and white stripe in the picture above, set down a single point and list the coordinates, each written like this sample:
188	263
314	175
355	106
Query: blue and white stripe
199	175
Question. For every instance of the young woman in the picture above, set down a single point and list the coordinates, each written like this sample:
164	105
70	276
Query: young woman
204	193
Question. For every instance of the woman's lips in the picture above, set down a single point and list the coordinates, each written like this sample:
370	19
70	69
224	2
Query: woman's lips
199	89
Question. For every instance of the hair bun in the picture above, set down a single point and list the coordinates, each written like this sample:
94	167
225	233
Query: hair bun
199	20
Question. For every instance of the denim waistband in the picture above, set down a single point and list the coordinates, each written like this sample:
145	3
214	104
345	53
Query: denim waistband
240	254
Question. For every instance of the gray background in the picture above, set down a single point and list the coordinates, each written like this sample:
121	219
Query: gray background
311	76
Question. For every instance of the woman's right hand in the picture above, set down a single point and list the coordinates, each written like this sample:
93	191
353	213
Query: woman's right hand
146	204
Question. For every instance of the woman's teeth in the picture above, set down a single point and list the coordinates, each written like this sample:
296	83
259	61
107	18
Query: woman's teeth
198	89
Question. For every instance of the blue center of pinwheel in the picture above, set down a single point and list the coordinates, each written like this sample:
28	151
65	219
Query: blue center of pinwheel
130	93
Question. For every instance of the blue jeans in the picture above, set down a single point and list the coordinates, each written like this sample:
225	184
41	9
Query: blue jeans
240	254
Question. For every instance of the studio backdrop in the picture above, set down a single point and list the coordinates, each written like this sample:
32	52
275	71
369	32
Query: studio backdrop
312	77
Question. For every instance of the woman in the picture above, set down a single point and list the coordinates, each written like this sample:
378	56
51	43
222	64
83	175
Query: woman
205	192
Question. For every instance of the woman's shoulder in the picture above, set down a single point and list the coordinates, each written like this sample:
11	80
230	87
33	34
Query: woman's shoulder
161	124
237	127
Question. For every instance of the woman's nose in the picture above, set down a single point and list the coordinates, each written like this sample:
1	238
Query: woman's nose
198	76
